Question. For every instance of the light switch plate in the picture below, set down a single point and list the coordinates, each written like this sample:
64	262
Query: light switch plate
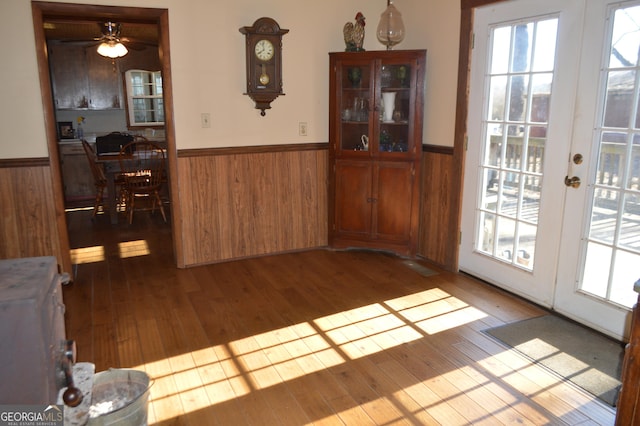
205	120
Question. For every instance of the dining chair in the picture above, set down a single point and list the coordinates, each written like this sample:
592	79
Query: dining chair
143	169
100	180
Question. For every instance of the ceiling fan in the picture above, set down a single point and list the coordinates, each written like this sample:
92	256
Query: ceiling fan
110	39
111	44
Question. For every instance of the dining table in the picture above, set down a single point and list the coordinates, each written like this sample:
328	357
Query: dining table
112	166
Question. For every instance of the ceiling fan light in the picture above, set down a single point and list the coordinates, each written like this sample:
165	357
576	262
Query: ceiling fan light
112	49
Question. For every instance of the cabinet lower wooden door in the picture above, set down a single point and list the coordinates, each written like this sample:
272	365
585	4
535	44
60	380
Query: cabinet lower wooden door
376	205
353	194
393	201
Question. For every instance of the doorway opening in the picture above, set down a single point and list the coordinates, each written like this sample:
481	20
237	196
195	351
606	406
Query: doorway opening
76	16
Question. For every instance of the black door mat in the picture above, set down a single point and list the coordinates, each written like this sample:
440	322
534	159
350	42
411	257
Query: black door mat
578	354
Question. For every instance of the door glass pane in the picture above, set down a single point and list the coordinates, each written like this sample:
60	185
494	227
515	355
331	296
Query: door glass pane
630	226
596	269
497	95
506	231
625	41
619	98
546	36
540	98
526	244
613	244
509	202
490	198
633	180
487	226
501	44
494	151
517	111
603	215
518	89
624	266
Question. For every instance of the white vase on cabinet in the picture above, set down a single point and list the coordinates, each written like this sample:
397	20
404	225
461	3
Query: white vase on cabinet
389	104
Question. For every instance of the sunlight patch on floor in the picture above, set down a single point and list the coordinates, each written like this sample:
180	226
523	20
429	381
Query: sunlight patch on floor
133	248
77	209
260	363
450	320
95	254
87	255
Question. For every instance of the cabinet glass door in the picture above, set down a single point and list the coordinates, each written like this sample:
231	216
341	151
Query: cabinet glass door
394	112
355	106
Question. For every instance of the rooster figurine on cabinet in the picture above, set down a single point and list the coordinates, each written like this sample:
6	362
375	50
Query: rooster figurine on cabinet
354	34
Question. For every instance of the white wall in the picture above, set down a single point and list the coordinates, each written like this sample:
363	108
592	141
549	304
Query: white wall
207	61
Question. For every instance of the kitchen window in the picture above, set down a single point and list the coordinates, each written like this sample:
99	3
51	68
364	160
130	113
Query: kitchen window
145	106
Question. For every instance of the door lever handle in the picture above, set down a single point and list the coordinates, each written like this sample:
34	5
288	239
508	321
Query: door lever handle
573	182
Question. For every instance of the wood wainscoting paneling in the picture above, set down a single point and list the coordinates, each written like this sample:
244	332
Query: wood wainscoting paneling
28	226
436	239
252	201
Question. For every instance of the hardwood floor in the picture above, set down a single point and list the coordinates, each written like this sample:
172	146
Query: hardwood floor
324	337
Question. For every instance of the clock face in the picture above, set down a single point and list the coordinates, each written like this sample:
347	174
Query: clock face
264	50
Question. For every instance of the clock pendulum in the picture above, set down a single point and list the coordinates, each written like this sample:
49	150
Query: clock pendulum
264	77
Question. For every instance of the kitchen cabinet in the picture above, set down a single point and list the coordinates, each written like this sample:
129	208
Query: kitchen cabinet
82	79
375	145
76	173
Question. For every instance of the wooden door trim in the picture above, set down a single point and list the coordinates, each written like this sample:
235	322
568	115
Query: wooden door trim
460	133
51	134
43	10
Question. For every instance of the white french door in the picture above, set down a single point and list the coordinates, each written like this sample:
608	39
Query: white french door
551	199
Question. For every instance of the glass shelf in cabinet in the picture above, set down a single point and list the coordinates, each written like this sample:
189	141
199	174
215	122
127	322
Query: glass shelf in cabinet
355	122
396	123
395	89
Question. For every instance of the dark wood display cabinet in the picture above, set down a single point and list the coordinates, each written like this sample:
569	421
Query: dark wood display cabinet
375	146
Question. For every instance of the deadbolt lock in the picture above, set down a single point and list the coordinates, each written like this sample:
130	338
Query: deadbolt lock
577	159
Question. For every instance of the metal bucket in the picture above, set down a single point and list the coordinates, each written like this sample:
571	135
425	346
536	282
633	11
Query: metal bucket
119	397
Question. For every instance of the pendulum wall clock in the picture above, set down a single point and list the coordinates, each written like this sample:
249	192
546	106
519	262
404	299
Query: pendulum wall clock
264	62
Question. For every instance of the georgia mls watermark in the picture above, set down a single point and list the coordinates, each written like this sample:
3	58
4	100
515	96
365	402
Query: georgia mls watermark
31	415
